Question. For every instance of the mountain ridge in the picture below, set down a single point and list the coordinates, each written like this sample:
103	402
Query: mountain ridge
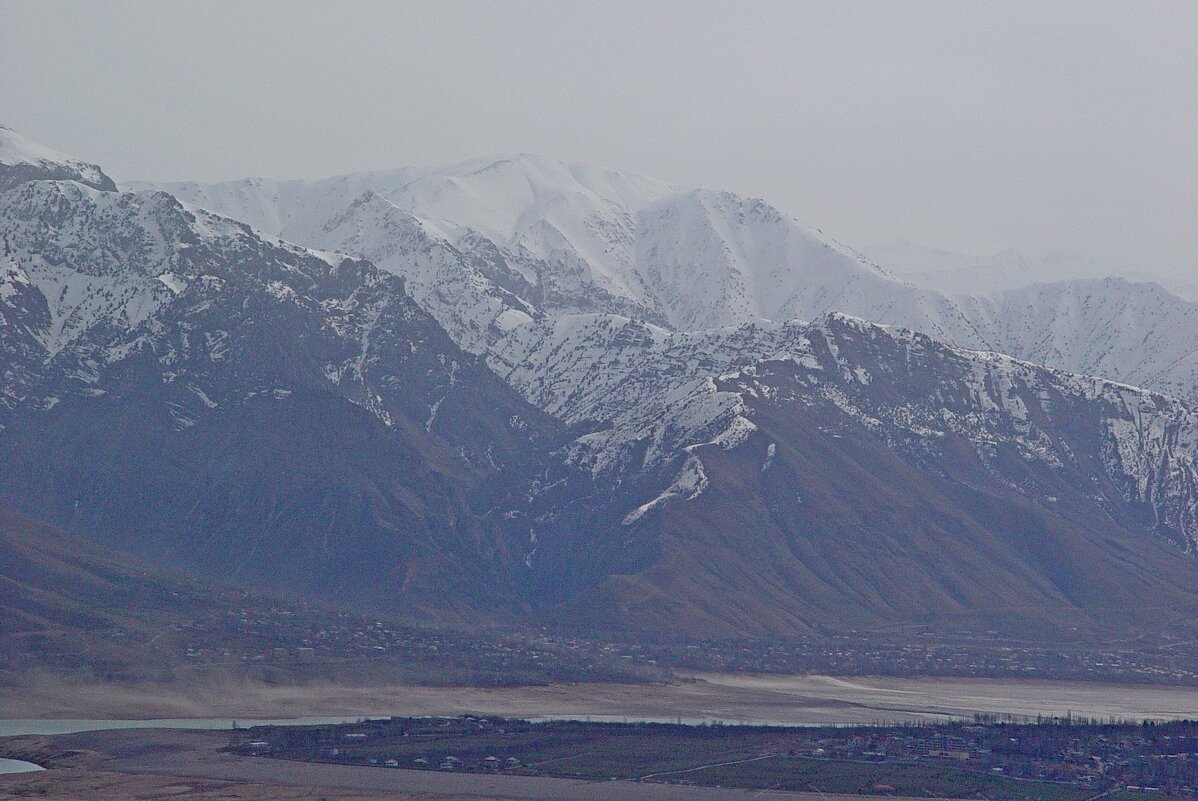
698	259
176	384
415	417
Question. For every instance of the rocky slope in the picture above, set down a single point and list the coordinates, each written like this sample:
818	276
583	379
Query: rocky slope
67	604
854	475
181	386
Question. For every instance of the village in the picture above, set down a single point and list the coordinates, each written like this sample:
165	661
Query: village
1064	758
1148	757
1160	659
268	636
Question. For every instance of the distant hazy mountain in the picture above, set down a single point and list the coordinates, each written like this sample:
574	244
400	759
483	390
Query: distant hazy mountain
978	275
1137	333
517	390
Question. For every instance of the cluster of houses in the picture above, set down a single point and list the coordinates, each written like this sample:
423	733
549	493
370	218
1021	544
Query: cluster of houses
1144	758
1141	758
862	653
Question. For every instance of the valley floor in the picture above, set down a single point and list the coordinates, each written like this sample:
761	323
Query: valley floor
151	764
731	698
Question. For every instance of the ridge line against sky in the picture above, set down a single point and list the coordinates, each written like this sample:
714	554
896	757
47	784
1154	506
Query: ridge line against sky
968	127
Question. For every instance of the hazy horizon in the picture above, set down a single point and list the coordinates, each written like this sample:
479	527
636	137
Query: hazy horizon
965	128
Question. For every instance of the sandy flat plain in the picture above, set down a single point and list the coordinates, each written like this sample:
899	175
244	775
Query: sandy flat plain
793	700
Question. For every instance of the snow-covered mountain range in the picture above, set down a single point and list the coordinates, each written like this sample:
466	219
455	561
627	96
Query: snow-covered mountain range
842	470
489	245
655	395
523	389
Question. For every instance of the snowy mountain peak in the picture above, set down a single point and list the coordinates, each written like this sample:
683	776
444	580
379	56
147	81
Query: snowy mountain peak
22	159
488	243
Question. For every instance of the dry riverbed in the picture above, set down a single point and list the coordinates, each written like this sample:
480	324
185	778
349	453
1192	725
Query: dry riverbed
794	700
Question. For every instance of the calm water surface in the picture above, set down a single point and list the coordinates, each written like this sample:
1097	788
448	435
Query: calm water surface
17	766
12	728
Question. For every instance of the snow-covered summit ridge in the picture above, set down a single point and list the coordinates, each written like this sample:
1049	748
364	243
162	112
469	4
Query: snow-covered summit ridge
22	159
114	259
498	197
104	293
526	236
584	239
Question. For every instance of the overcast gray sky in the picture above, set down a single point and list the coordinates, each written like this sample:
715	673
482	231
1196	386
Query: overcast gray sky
968	126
